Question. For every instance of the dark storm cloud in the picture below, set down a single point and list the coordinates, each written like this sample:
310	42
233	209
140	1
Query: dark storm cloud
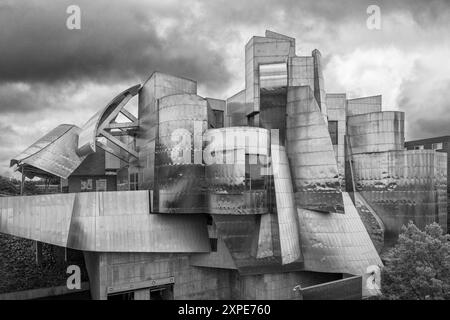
116	41
46	67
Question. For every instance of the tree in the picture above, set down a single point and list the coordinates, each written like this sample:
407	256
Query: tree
418	267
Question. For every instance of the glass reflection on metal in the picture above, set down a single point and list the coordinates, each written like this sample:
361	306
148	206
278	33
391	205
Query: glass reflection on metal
180	174
236	170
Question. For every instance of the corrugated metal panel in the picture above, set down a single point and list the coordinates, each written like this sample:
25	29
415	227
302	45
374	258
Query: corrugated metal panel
102	221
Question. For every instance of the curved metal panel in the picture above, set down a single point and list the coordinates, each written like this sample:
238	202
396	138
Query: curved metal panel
317	182
180	174
402	186
102	221
337	243
376	131
287	219
89	131
236	160
156	87
54	153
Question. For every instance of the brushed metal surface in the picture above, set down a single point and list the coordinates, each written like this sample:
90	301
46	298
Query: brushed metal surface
402	186
54	153
180	185
376	131
286	210
317	183
237	173
116	221
157	86
336	243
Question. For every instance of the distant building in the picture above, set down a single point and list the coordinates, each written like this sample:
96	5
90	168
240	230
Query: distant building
280	186
441	144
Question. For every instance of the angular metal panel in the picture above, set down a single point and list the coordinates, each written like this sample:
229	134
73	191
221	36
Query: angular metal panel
376	131
287	219
337	243
102	221
54	153
265	243
317	183
319	83
364	105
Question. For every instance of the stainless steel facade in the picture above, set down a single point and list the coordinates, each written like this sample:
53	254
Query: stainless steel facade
180	185
237	175
117	221
279	178
403	186
55	154
317	183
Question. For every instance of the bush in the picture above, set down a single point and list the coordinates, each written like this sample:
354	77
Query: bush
418	267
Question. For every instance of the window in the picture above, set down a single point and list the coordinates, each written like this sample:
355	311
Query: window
213	243
100	185
419	147
162	293
437	146
218	118
121	296
134	181
333	129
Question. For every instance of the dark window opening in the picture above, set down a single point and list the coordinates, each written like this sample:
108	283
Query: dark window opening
213	243
122	296
333	129
162	293
218	118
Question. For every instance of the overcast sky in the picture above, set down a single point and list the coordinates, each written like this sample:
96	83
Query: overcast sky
51	75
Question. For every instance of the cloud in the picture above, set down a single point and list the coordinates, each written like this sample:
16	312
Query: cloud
51	75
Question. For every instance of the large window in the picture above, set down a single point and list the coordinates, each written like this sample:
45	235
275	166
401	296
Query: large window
333	129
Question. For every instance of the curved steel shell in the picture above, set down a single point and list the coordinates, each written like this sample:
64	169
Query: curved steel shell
102	221
376	131
180	174
317	183
337	243
237	173
54	153
88	134
403	186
